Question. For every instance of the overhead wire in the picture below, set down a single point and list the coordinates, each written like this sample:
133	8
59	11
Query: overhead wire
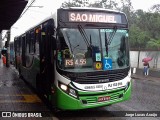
26	9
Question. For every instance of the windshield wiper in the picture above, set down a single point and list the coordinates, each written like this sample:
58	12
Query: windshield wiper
108	39
111	35
85	37
106	43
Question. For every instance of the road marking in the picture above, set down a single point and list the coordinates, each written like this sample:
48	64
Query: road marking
24	98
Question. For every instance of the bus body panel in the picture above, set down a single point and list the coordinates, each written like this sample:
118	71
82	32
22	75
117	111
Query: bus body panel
30	73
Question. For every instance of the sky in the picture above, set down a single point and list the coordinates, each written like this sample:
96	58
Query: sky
36	14
144	4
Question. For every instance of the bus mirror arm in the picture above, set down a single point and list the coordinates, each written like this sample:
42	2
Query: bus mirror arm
54	42
55	54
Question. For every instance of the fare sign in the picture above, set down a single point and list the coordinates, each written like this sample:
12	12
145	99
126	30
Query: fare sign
94	17
75	62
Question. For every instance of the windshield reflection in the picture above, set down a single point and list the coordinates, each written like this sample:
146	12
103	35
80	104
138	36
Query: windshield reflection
76	55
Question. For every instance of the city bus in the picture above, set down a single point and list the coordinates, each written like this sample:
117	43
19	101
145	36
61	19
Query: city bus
77	58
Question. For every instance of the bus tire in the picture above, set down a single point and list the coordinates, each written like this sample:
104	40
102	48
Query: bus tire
56	110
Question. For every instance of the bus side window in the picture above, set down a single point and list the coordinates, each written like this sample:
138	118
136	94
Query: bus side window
24	51
20	46
27	44
32	43
37	40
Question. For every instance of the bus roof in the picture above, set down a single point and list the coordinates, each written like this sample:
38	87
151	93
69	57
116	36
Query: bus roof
68	8
93	8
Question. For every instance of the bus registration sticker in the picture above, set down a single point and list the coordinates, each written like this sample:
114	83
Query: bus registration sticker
104	98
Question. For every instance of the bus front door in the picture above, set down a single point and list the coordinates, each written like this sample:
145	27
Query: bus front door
45	65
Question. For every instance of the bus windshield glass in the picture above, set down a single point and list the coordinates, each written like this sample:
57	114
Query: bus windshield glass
86	50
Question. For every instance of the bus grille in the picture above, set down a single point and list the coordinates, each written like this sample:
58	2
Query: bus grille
94	99
102	78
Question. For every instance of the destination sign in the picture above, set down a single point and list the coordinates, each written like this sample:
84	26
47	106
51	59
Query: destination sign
94	17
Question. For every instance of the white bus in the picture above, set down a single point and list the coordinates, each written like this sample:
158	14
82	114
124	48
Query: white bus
78	58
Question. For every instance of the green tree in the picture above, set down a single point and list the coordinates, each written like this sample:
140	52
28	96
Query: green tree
151	22
153	43
138	37
127	8
149	25
74	3
108	4
140	19
144	26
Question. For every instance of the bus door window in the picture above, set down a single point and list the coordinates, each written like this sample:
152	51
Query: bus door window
53	43
18	46
42	50
45	58
37	39
27	48
30	48
19	50
49	50
45	47
15	49
27	43
64	52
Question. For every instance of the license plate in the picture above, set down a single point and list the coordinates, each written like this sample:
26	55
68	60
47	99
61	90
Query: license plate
104	98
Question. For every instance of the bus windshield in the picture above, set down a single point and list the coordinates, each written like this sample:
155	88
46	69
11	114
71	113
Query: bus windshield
83	50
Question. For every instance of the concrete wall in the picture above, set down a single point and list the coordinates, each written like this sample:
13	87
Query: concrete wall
154	64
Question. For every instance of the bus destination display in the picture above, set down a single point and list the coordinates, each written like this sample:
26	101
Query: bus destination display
94	17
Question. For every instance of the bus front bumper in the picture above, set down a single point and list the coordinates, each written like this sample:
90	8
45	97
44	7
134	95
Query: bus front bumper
88	100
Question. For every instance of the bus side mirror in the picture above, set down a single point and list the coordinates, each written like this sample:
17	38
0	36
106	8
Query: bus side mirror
58	44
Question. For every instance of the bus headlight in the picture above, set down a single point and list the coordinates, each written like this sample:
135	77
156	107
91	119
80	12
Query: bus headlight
63	87
67	90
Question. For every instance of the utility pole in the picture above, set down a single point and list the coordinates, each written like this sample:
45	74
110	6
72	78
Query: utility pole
138	56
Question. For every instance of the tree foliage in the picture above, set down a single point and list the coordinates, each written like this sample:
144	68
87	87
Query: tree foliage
144	27
73	3
154	44
138	37
108	4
